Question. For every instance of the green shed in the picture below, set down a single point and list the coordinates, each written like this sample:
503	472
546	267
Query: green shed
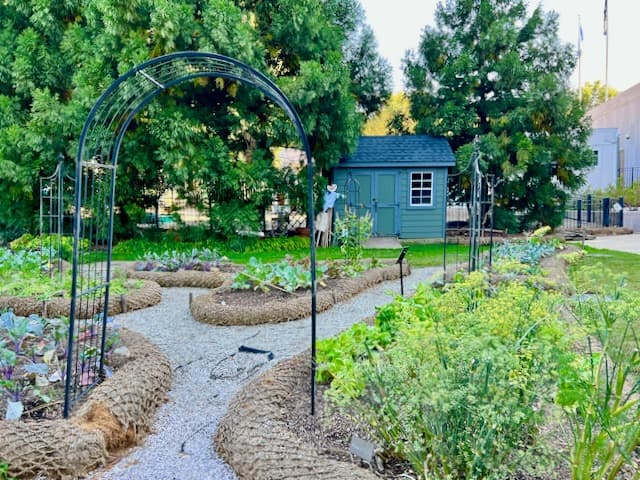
401	181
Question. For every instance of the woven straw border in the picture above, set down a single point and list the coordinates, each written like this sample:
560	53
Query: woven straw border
149	294
253	436
115	415
182	278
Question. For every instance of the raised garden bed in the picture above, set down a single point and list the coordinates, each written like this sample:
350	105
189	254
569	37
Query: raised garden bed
271	414
198	268
256	439
115	415
182	278
146	295
228	306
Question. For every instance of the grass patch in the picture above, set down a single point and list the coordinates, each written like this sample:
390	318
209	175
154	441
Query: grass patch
599	272
620	263
275	249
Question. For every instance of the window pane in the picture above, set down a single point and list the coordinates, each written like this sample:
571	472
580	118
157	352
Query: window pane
421	187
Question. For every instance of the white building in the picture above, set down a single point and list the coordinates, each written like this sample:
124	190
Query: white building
604	143
621	113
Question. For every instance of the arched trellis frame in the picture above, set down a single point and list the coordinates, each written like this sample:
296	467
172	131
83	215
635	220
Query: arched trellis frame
96	164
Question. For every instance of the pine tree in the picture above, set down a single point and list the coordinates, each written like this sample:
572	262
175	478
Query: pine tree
491	69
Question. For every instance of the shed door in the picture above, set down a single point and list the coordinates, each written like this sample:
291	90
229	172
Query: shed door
385	204
362	194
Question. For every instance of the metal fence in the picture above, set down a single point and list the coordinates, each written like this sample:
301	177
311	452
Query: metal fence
591	212
173	212
629	176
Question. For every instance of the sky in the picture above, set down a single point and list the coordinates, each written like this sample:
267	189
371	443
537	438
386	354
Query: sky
398	25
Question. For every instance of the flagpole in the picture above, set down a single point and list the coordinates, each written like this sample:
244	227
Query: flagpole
606	54
579	59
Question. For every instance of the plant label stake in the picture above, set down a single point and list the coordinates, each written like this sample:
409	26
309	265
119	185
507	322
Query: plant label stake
362	449
403	253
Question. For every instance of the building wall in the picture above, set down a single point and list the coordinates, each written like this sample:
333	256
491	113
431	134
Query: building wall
623	113
424	222
604	142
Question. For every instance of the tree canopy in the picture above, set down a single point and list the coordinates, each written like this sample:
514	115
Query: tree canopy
491	69
210	136
593	94
393	118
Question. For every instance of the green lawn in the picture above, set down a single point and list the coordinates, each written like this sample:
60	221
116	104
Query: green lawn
617	262
418	255
593	269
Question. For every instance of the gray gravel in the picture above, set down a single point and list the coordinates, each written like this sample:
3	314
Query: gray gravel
209	370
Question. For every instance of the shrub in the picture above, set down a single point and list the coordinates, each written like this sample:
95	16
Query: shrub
600	388
457	389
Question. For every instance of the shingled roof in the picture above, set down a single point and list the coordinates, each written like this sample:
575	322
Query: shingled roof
401	151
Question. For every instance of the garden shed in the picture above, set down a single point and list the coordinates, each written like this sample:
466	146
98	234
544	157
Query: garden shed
401	181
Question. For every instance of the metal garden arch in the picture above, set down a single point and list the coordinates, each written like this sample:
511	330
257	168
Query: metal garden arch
96	163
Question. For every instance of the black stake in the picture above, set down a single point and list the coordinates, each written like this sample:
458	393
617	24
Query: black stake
403	252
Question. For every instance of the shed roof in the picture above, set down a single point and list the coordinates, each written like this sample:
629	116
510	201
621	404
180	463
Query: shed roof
401	151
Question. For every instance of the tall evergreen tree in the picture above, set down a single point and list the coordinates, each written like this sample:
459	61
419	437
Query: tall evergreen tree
491	69
58	56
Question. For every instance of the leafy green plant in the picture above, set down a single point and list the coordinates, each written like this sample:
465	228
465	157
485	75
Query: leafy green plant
33	352
524	256
197	259
453	381
51	245
351	232
285	275
338	359
24	274
600	389
4	472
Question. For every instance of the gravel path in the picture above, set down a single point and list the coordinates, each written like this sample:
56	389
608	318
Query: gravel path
209	370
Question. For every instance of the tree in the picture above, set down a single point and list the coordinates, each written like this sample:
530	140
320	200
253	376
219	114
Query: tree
593	94
58	56
394	118
492	70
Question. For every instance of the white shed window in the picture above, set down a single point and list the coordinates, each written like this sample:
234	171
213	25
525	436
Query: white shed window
421	189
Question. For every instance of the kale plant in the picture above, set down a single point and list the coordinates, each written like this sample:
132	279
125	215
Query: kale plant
33	353
203	260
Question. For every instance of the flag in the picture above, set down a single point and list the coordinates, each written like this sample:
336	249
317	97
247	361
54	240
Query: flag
606	18
580	37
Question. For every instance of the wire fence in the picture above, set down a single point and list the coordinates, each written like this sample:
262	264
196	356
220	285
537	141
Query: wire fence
173	212
629	176
590	212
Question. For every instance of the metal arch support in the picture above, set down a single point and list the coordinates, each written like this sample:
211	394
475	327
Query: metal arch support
98	151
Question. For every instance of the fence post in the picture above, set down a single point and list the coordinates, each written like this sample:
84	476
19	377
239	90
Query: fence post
606	207
589	212
579	213
621	212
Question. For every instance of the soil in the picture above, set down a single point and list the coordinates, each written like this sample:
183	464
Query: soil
330	431
256	298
